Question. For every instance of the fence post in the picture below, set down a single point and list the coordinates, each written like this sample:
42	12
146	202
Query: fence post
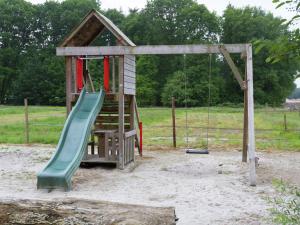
284	121
26	121
174	122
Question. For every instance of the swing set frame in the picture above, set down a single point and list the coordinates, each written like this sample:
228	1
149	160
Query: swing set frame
246	85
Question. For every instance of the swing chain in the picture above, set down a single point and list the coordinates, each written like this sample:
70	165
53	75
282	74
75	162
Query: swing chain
209	99
208	103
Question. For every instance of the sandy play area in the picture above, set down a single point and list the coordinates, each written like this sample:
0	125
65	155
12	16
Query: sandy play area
203	189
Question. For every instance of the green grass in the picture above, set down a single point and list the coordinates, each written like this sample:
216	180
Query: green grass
286	204
46	124
270	132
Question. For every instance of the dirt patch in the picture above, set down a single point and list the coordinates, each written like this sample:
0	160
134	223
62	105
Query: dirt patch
279	165
203	189
74	211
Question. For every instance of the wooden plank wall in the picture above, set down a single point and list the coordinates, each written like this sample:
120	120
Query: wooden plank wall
129	149
129	75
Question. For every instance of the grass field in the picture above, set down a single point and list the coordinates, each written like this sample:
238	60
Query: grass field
45	125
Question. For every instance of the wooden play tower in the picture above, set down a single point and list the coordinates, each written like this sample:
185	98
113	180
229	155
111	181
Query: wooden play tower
117	128
114	136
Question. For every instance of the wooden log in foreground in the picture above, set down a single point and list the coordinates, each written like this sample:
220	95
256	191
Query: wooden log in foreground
77	211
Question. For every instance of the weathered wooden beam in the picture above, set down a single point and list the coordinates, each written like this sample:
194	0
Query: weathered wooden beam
251	133
113	75
68	84
132	108
245	128
130	133
148	50
121	163
232	66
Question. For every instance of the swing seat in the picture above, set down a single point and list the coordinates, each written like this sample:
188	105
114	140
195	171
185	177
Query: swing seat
197	151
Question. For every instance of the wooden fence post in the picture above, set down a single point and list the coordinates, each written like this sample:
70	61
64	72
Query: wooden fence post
285	122
26	121
174	122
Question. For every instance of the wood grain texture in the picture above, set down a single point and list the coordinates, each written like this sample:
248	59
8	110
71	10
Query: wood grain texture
251	132
149	50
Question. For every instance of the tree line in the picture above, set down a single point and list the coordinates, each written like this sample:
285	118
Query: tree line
30	33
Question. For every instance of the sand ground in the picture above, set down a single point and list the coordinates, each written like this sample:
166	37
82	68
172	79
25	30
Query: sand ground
204	189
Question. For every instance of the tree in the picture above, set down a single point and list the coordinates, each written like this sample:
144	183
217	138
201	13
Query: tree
42	80
272	83
284	47
147	86
191	85
171	22
29	35
146	95
15	18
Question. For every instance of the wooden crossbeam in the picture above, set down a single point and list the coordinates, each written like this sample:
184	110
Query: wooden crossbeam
232	66
148	50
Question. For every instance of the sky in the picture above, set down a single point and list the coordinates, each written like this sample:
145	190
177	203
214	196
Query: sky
213	5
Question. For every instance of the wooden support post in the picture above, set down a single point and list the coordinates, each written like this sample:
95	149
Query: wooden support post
73	76
285	122
26	121
245	132
132	113
68	83
113	76
232	66
121	112
251	132
174	122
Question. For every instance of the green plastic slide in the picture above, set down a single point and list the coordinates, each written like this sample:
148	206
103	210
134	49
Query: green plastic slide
72	143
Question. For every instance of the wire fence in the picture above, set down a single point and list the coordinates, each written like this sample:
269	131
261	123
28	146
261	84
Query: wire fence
275	128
